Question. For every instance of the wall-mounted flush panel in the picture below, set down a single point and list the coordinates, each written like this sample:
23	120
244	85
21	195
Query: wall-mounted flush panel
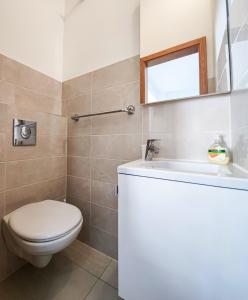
24	133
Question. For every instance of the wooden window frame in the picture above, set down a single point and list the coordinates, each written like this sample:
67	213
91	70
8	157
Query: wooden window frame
195	46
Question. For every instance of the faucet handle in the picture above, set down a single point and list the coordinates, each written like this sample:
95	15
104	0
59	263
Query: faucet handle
150	143
151	148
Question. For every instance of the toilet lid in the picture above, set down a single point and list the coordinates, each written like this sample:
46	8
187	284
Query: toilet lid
44	221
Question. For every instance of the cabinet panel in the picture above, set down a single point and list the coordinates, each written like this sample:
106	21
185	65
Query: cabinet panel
181	241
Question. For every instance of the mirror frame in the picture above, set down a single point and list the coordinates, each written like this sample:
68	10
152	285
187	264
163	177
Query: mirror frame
191	47
143	77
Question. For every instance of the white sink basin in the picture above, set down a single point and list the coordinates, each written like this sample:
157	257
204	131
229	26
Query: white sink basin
185	171
180	166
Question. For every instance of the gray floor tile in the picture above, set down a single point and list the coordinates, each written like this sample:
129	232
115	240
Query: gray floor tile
103	291
88	258
111	274
60	280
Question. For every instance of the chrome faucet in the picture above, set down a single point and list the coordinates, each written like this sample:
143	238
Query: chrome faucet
151	149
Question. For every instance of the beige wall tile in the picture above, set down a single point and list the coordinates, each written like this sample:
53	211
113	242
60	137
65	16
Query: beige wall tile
117	124
116	97
26	172
123	147
78	188
104	242
2	176
54	189
78	166
2	147
119	73
3	117
105	219
80	105
57	144
16	198
47	124
79	146
2	205
84	234
82	127
104	194
7	92
46	145
30	95
105	169
112	99
26	77
84	206
35	102
76	86
51	124
51	189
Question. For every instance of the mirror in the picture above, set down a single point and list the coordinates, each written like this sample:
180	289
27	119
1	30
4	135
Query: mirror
184	49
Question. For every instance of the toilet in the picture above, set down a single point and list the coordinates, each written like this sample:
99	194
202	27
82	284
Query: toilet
38	230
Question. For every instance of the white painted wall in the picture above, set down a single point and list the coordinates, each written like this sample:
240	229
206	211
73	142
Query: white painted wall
167	23
99	33
31	32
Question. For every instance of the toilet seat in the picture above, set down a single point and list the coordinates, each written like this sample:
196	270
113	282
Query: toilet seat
44	221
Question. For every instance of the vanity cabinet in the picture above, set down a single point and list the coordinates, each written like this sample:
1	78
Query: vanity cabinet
181	240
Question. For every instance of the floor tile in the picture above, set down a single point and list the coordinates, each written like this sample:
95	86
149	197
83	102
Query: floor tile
88	258
103	291
60	280
110	275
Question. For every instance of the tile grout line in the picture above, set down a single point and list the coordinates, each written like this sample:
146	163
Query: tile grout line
105	269
38	182
99	279
96	91
91	289
14	84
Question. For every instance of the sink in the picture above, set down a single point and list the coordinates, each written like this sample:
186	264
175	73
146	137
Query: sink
186	171
181	166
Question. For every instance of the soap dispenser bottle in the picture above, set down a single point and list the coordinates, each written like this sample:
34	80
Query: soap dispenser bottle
218	153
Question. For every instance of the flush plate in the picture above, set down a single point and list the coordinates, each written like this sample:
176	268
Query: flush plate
24	133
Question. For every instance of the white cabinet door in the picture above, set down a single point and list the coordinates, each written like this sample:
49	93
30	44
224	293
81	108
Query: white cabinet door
181	241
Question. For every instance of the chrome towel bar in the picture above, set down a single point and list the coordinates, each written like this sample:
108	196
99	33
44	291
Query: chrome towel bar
130	109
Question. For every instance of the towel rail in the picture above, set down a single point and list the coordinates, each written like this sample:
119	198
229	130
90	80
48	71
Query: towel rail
130	109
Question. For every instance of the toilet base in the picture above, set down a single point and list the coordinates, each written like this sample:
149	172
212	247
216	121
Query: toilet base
39	261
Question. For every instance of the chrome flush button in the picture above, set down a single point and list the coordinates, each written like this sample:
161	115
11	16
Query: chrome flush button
24	133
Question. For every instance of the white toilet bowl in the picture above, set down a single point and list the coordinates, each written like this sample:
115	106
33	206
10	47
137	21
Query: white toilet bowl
36	231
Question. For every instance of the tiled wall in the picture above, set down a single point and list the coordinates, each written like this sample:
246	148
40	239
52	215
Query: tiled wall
239	97
96	146
29	174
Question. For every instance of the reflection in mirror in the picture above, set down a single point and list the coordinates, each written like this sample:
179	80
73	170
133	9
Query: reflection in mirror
184	49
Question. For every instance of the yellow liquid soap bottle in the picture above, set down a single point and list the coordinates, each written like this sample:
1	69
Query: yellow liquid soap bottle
218	153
